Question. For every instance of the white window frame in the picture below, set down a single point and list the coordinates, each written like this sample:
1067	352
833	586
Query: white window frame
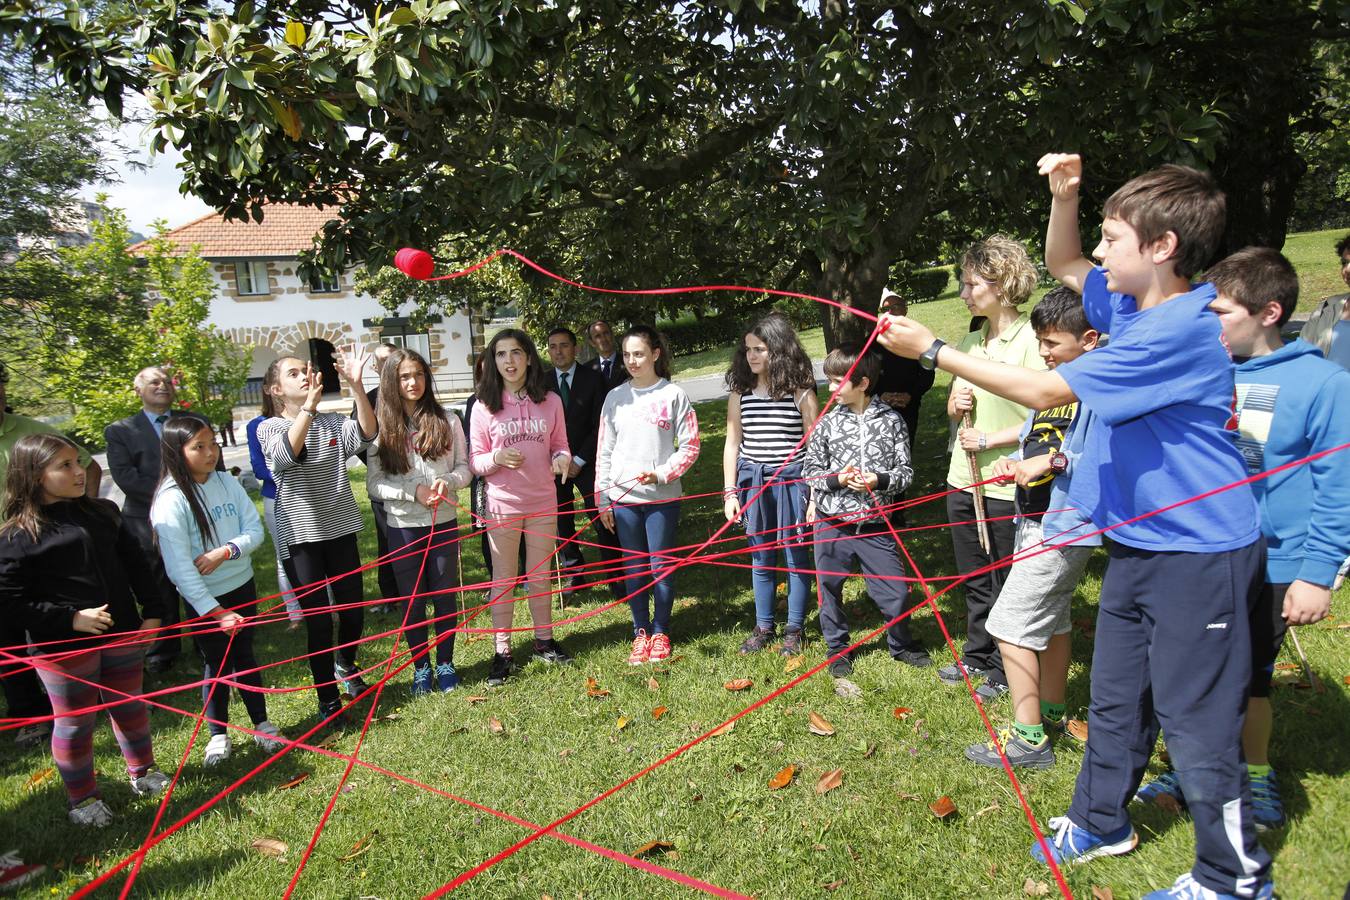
325	284
249	275
419	341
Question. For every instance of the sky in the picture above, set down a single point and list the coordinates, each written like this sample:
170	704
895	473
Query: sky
150	193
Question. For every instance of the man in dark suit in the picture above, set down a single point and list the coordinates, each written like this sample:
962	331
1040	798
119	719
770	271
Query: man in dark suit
583	393
608	360
133	461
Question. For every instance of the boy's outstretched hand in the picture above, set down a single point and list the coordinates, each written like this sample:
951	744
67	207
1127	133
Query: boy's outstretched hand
903	336
1306	603
1065	171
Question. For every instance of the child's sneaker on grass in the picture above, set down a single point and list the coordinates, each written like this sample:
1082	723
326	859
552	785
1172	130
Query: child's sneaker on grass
1069	843
759	639
550	651
14	871
268	737
641	647
421	682
447	679
1267	809
842	667
349	682
1187	888
500	669
151	783
217	750
951	675
912	656
92	813
333	713
792	642
658	650
990	691
32	735
1021	753
1164	791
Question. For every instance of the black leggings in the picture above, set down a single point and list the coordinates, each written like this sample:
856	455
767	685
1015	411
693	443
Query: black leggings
211	645
313	562
440	576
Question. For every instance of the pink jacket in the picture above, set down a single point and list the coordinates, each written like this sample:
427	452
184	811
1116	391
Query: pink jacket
536	430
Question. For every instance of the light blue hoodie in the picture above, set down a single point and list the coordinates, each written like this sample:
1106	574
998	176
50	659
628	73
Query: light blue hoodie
234	519
1291	404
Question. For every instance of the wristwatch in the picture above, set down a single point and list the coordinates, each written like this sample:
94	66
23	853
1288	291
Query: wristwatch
1059	463
929	358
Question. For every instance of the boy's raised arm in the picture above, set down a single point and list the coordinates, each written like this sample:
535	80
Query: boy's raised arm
1063	246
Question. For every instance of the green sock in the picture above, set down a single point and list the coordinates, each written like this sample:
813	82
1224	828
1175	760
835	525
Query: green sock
1257	771
1032	734
1052	711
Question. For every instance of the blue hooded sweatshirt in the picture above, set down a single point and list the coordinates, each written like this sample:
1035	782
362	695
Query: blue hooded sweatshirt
1291	404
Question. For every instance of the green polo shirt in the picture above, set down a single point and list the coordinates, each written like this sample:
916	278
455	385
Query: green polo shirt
13	427
1017	346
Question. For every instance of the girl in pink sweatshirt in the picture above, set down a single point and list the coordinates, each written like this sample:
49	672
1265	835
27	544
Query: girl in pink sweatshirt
517	443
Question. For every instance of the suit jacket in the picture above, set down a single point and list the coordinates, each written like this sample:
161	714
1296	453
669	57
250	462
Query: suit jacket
133	461
618	374
581	412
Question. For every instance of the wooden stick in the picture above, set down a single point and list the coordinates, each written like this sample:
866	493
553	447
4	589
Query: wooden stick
1313	681
977	491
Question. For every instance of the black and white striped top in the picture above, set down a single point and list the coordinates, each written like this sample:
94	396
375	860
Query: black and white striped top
314	497
770	429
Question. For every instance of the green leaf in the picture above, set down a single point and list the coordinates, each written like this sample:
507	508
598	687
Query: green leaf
331	110
295	33
404	66
367	93
402	16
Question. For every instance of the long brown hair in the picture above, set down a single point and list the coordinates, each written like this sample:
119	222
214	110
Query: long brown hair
788	367
178	431
490	385
428	418
654	340
32	454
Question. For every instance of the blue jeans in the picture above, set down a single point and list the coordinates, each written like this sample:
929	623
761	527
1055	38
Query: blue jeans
775	518
648	528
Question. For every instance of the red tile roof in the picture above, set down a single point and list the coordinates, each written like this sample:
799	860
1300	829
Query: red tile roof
286	229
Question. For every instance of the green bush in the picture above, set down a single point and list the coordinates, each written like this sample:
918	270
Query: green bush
696	335
922	285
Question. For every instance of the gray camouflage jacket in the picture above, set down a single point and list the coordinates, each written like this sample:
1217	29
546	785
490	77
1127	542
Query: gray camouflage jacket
875	441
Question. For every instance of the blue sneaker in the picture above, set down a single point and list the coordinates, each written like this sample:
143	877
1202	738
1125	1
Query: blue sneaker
421	685
1164	791
447	679
1071	844
1267	809
1187	888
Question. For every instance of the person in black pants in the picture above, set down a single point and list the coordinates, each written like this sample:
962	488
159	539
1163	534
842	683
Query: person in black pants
582	391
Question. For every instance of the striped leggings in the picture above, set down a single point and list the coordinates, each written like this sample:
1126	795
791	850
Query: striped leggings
119	670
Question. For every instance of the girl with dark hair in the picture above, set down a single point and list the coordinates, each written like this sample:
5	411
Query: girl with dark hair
68	570
268	489
517	443
416	467
317	516
771	404
648	439
207	527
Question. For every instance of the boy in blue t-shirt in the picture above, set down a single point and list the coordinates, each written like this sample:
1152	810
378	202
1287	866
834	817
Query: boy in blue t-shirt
1172	643
1291	403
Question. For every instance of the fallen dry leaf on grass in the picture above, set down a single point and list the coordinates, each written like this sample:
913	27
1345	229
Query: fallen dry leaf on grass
723	729
329	742
659	712
1347	679
793	664
270	846
739	684
902	712
915	797
829	781
783	778
1102	893
593	689
475	698
622	723
653	684
833	885
1033	888
39	778
360	847
816	724
1077	729
495	726
847	689
654	848
1286	667
943	807
294	782
566	753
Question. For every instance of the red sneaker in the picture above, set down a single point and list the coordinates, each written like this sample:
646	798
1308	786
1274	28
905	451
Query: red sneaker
658	650
14	871
639	653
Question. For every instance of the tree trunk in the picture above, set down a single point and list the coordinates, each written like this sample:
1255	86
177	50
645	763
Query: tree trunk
854	280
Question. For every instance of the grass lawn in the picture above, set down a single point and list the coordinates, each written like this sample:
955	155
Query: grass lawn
558	748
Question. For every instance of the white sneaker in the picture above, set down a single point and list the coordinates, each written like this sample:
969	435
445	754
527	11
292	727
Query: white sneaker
151	783
269	744
31	735
92	812
217	749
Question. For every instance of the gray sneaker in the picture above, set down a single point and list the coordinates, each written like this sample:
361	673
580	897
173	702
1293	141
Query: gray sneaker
1019	752
991	690
759	639
92	812
952	674
151	783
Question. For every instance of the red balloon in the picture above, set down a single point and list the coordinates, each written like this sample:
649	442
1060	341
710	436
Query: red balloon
414	263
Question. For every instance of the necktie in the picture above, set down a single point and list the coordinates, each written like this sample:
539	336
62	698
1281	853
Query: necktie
563	388
159	423
604	368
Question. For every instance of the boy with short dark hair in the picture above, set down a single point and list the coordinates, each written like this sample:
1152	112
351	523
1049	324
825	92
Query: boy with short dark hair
857	462
1291	403
1030	619
1172	643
